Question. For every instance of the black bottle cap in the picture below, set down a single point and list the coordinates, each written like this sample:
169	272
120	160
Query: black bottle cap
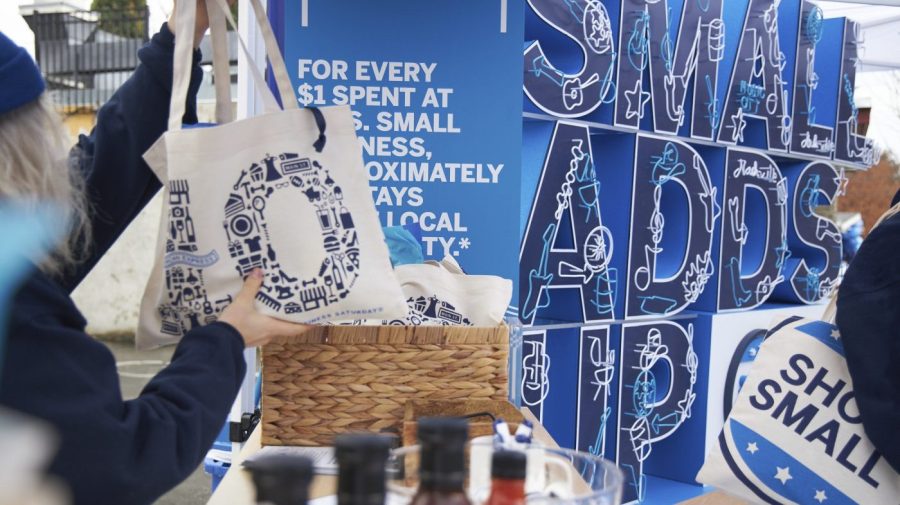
443	458
282	479
508	465
443	431
361	461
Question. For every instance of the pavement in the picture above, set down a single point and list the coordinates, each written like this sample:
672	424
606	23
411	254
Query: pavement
135	370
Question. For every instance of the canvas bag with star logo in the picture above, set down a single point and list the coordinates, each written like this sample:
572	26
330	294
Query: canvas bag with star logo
285	191
795	433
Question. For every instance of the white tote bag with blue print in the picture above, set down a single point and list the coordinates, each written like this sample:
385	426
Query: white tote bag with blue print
441	294
285	191
794	434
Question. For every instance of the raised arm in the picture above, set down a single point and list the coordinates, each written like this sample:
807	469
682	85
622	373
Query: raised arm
118	181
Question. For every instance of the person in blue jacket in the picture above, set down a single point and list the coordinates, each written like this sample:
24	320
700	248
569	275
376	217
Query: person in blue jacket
111	451
868	317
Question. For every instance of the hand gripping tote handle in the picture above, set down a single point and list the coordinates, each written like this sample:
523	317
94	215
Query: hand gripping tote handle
218	14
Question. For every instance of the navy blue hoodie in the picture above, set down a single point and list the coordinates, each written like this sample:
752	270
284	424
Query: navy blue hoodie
114	451
868	316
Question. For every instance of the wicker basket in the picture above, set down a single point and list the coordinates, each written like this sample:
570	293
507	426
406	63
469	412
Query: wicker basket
336	379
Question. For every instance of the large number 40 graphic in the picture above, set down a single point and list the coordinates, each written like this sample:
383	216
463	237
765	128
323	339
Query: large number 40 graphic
249	243
248	232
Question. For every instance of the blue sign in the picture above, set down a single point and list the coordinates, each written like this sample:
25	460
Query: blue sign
591	81
596	375
667	49
431	87
670	260
757	96
549	383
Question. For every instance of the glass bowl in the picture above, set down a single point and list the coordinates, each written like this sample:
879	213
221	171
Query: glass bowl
553	476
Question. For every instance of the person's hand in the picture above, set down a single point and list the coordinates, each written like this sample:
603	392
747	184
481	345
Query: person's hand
255	328
202	20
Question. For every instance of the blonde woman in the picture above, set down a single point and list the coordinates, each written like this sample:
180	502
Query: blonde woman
111	451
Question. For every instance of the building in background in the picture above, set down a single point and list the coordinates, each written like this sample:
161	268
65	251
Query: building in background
85	56
14	26
870	192
53	5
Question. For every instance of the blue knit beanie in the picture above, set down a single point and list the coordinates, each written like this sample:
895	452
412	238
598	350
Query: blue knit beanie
20	79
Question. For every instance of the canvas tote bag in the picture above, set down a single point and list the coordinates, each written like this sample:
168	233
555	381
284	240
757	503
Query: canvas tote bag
440	294
285	191
795	434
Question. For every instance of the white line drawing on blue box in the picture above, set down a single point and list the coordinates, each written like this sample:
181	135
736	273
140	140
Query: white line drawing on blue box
640	400
583	264
759	91
536	370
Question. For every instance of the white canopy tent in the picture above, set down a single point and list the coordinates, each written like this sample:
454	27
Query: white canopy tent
14	26
880	30
878	77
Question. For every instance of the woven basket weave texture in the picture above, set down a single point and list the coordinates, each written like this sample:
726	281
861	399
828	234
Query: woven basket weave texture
336	379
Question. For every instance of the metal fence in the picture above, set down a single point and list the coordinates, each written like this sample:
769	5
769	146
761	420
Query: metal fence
84	55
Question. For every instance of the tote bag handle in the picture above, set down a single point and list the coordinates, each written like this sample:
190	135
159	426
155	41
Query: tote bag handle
218	9
831	311
221	65
183	58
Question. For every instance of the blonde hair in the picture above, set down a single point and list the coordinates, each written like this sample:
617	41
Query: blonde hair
35	170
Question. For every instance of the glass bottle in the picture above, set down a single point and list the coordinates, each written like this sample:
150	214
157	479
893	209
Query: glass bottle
281	479
507	478
361	468
442	461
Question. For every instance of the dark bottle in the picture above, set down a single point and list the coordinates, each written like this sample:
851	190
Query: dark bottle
442	461
282	479
507	478
361	469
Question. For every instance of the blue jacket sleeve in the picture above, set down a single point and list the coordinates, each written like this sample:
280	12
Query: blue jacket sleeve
117	452
118	182
113	451
134	451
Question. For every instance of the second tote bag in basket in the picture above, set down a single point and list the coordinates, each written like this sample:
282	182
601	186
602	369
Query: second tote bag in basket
285	191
